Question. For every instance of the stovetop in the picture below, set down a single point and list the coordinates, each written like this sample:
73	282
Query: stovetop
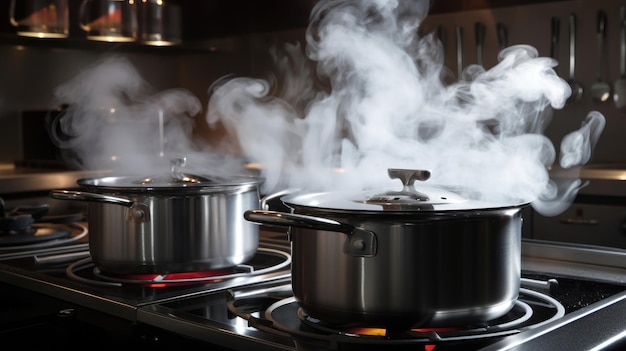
588	283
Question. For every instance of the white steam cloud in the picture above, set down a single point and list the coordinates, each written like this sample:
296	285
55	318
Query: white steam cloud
115	120
378	102
363	95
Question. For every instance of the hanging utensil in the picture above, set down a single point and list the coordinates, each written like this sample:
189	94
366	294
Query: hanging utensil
503	36
459	51
441	35
555	27
577	88
601	90
619	87
479	32
554	42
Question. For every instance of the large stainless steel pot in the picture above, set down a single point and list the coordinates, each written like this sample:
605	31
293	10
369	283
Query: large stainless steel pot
401	258
177	224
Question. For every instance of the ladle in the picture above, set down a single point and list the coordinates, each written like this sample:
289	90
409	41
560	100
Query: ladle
577	88
601	90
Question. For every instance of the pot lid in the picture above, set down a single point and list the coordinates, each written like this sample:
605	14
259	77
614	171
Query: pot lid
407	199
176	180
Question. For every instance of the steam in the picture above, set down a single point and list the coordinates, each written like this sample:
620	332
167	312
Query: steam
366	94
363	95
115	120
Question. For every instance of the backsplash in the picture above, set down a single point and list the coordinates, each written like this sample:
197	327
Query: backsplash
531	24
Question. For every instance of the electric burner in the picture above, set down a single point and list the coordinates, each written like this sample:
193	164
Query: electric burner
283	315
265	260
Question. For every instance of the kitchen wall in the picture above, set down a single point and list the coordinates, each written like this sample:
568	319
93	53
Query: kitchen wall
29	76
531	24
30	72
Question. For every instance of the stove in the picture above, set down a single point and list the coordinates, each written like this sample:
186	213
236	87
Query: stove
572	297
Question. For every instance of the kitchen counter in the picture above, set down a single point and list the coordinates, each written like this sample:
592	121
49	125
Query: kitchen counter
601	179
21	180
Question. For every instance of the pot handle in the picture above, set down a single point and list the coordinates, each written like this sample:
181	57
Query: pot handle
138	212
92	197
361	242
267	198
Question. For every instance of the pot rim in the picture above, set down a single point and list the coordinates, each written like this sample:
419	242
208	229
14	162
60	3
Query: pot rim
355	203
145	184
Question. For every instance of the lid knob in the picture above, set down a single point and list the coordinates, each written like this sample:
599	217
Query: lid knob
408	177
179	175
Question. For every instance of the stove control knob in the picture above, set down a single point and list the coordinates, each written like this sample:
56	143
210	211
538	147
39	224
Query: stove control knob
66	313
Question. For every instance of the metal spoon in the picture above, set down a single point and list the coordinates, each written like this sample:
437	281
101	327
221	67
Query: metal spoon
600	90
577	88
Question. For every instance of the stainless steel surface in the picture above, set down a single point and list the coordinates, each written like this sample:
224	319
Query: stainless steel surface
595	328
163	232
416	271
575	260
87	196
172	184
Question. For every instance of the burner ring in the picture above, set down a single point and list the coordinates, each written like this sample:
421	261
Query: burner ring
80	231
281	312
242	270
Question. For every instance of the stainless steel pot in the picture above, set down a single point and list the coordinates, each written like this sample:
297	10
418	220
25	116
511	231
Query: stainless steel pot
183	223
401	258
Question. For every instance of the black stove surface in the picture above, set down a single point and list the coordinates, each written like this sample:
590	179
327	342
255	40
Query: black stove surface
39	297
249	312
39	294
46	271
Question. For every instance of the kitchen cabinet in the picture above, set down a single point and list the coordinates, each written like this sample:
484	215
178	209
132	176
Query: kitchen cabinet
585	223
212	19
201	21
442	6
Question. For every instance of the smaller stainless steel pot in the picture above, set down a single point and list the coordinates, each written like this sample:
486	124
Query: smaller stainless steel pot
426	257
178	224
